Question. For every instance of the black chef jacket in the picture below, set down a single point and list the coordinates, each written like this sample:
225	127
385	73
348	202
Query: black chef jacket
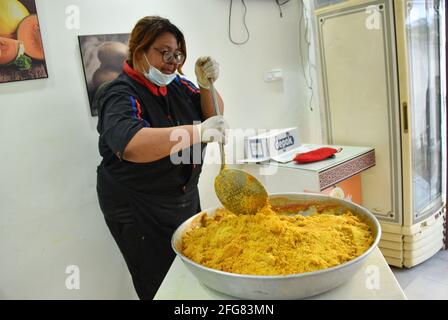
131	103
146	201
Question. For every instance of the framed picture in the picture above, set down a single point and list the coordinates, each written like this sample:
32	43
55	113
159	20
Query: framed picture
102	59
22	54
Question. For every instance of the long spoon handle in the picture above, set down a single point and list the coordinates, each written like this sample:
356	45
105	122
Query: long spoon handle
216	106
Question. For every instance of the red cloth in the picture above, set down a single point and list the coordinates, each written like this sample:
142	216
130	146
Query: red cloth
155	90
315	155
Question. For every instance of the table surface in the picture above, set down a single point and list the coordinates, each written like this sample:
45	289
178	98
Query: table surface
373	281
347	153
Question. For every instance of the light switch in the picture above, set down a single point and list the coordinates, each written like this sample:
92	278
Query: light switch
273	75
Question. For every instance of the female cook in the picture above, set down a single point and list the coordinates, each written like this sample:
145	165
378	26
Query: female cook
143	191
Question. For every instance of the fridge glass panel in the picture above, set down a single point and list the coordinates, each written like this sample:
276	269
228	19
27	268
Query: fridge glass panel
422	24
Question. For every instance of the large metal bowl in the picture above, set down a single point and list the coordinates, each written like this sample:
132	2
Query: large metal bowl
294	286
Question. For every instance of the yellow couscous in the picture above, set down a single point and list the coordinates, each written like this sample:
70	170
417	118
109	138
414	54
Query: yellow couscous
269	243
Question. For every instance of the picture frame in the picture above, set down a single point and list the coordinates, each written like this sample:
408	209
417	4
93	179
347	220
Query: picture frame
22	55
102	58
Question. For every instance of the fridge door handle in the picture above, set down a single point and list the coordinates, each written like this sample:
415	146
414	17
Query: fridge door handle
405	117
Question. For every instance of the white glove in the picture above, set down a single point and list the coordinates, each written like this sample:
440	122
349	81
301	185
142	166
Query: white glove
206	68
213	130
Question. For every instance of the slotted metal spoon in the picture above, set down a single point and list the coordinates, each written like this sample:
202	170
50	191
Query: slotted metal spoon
238	191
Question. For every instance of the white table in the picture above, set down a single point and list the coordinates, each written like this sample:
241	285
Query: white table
374	280
317	176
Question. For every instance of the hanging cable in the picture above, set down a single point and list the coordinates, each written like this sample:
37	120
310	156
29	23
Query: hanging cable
307	38
280	3
244	23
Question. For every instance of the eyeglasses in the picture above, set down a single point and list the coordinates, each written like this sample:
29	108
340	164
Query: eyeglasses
168	56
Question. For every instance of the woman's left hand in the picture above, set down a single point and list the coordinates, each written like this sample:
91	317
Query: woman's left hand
206	69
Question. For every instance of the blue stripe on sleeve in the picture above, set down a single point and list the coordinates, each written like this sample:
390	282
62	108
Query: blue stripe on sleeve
134	107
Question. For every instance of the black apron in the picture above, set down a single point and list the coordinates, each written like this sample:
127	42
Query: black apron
146	243
156	213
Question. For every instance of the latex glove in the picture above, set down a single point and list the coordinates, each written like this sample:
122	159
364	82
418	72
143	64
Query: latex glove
206	68
213	130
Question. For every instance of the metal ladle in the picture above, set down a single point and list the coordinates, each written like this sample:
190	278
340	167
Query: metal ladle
238	191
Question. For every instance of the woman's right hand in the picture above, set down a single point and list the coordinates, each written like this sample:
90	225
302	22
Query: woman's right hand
213	130
206	69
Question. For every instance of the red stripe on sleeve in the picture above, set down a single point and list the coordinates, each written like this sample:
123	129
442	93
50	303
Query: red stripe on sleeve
139	110
189	87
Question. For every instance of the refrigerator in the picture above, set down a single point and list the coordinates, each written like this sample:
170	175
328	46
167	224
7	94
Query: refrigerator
381	70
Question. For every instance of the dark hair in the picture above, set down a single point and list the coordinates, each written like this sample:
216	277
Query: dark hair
146	32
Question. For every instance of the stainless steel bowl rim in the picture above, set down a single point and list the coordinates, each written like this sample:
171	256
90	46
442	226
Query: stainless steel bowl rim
295	275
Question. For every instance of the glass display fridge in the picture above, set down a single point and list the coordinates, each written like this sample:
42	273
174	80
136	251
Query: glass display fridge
382	71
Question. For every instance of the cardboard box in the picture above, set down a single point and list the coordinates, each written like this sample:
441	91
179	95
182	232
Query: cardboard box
280	145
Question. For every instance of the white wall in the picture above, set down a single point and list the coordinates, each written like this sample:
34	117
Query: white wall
49	216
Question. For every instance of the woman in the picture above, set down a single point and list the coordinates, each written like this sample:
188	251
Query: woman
143	194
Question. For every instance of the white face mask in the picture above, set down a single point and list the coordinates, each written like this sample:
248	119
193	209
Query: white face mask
155	76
